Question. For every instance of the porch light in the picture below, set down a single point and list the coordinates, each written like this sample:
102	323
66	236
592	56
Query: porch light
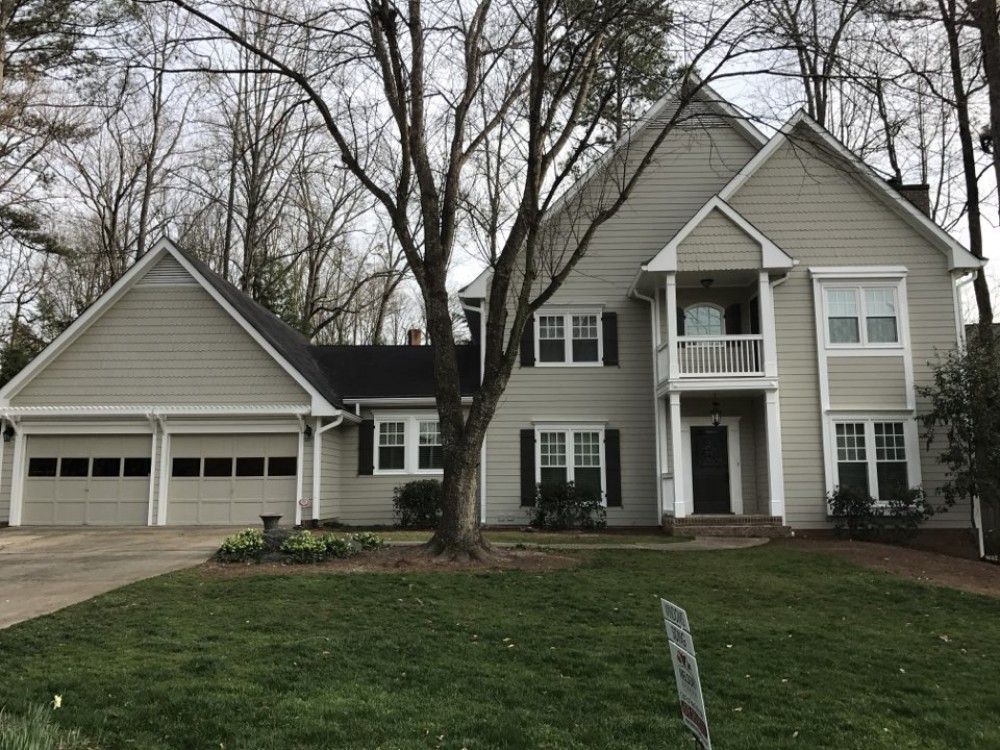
716	414
307	433
707	282
8	433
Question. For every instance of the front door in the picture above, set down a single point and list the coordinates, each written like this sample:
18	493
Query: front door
710	469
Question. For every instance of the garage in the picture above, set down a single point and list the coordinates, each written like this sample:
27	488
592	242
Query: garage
231	479
99	480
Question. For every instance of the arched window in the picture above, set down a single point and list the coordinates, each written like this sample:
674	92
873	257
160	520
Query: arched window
703	320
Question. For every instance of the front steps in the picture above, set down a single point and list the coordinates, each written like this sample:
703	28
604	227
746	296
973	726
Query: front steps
726	525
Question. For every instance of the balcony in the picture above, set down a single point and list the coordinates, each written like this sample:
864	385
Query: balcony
736	356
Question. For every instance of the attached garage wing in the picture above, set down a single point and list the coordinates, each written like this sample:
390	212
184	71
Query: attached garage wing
87	479
231	479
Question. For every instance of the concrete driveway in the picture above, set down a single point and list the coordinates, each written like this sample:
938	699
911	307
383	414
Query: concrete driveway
45	569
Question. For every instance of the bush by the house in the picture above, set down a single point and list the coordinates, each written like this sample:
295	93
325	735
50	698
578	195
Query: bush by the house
417	505
305	548
244	546
368	540
562	505
859	516
336	546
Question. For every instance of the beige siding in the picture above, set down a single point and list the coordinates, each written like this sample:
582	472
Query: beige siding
330	471
819	214
6	467
717	244
867	382
687	171
162	345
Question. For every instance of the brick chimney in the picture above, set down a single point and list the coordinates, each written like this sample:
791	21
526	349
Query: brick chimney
415	337
919	194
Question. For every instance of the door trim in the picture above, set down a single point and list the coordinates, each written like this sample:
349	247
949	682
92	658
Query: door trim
733	447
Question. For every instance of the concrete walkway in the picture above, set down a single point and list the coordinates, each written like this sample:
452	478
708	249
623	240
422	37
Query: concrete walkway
45	569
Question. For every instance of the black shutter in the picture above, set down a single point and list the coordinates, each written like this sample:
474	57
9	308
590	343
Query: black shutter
755	315
734	324
366	447
528	468
609	326
474	320
613	458
528	344
680	321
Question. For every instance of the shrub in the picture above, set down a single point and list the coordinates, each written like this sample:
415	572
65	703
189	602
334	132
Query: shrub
560	505
417	505
368	540
860	516
336	546
305	548
245	546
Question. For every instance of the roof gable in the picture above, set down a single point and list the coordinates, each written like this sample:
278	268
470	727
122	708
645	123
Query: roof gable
165	263
958	256
772	257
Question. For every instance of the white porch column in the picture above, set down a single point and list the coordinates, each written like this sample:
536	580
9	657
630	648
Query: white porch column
298	475
677	457
673	368
766	300
317	465
775	465
17	478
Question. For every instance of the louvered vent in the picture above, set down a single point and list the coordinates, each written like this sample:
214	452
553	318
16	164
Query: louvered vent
168	272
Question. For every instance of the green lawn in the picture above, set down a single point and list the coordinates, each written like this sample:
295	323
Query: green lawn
795	651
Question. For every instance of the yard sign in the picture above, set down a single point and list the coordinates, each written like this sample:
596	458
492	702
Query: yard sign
678	628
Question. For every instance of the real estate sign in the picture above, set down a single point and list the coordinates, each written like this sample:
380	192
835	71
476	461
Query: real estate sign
686	672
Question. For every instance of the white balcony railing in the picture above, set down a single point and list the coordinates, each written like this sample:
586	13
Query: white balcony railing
715	356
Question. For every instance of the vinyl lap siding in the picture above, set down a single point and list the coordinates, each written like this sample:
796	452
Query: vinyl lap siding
867	382
162	345
821	216
330	469
717	244
6	467
688	170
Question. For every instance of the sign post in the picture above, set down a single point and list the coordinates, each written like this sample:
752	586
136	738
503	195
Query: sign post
675	621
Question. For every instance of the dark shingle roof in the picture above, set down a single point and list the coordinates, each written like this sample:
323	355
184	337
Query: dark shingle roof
391	371
339	372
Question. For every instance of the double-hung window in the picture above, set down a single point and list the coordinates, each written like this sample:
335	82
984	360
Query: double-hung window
568	338
408	444
572	454
873	457
862	315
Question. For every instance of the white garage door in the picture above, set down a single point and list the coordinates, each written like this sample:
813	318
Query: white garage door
231	479
87	479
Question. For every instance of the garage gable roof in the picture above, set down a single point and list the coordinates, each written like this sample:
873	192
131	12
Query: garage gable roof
285	345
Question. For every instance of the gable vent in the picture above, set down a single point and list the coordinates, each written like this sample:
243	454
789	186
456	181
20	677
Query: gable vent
168	272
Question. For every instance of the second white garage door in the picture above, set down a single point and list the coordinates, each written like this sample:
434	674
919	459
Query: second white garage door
231	479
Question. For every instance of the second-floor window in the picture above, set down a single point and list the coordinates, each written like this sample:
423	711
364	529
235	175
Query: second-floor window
703	320
866	315
568	338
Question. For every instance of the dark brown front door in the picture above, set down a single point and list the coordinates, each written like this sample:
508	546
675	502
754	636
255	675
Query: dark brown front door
710	469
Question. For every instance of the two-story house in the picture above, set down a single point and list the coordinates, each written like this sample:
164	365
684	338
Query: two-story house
746	334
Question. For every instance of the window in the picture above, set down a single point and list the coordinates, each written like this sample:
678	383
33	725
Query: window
107	467
572	454
252	466
74	467
703	320
186	467
282	466
862	315
429	452
42	467
137	467
872	458
572	338
408	444
218	467
392	446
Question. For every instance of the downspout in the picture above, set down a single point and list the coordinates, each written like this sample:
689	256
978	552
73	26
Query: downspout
153	473
482	365
318	459
161	495
654	313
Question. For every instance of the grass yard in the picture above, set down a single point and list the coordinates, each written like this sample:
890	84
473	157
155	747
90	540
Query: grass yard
796	650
